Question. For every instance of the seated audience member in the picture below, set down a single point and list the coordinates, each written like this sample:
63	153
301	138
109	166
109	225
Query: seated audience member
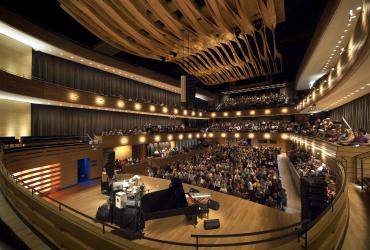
347	138
361	137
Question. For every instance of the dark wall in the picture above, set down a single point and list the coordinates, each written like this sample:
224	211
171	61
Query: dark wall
53	121
74	75
357	113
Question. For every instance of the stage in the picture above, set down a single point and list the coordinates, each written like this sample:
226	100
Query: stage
236	215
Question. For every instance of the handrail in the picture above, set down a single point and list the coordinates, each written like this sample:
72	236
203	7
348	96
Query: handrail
361	157
364	155
60	204
333	202
250	233
299	229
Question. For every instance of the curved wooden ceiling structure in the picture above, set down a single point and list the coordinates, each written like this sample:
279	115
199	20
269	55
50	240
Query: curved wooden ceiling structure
218	41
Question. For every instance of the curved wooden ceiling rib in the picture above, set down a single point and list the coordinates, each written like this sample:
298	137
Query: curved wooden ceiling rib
99	28
201	40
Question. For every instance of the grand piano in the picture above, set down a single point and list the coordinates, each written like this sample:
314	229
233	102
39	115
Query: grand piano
155	205
168	202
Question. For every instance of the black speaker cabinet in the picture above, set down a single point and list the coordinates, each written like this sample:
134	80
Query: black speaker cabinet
211	224
212	204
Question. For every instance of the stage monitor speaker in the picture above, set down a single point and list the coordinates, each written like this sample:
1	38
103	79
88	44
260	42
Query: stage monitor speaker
212	204
211	224
104	213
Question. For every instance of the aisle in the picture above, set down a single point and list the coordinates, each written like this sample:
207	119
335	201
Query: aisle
359	219
294	200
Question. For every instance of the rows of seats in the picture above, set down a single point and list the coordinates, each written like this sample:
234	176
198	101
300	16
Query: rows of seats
42	140
9	141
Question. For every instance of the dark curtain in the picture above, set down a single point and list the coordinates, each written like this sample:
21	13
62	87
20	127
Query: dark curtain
201	104
74	75
56	121
196	123
356	113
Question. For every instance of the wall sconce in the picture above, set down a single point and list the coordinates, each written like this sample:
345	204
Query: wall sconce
285	136
165	109
120	104
124	140
252	112
210	135
99	100
193	113
73	96
190	136
198	135
250	135
236	135
181	136
284	110
137	106
213	114
267	111
200	114
157	138
226	114
223	135
169	137
204	135
238	113
142	139
152	108
267	136
185	112
175	111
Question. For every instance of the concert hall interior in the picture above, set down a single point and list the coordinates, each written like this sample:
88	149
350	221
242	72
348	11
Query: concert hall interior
185	124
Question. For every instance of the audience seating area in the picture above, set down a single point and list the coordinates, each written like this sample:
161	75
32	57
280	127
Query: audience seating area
334	132
307	165
254	126
149	129
29	142
247	172
45	140
9	141
254	101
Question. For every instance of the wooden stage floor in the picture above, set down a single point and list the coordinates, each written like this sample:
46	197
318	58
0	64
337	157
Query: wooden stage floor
236	215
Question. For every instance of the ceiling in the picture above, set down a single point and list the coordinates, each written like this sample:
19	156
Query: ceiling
327	49
292	38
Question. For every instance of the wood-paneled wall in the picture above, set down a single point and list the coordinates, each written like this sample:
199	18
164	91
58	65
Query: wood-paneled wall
15	57
15	118
65	156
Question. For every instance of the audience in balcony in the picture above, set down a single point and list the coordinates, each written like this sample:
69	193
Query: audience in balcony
334	132
148	128
307	165
254	101
254	126
247	172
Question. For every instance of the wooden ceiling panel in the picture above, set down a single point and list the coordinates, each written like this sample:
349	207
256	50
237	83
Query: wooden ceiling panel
221	41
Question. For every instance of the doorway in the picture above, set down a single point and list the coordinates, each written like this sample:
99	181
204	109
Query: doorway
82	170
